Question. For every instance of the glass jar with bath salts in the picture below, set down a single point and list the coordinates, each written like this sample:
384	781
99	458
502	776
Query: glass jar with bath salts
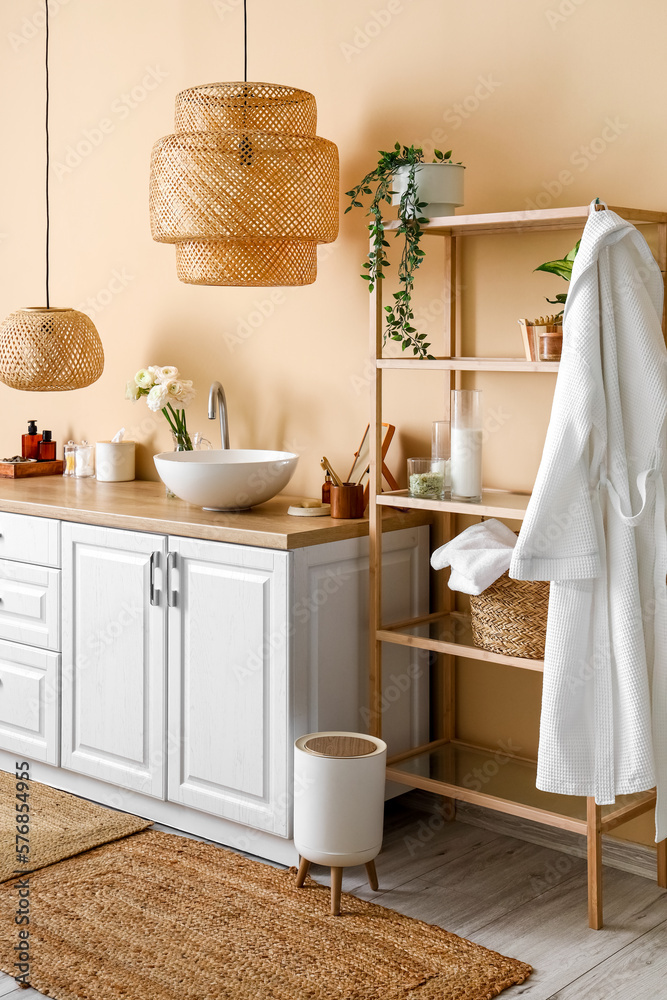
426	479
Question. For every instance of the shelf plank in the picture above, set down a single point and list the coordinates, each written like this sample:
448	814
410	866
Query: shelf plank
470	364
537	220
499	780
450	632
495	503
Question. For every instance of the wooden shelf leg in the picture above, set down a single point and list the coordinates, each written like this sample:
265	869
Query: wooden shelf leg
662	863
336	884
302	872
594	852
372	875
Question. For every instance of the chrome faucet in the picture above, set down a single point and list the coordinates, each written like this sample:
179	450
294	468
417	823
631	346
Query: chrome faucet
217	392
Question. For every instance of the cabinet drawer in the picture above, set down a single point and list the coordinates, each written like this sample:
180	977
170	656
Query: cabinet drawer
30	539
29	702
30	604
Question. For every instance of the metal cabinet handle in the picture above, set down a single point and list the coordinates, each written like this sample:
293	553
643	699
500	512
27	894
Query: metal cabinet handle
172	595
154	592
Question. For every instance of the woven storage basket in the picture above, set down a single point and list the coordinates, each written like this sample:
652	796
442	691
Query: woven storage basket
510	617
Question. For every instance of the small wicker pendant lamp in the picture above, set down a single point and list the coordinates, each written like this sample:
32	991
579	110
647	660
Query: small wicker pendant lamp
245	189
44	349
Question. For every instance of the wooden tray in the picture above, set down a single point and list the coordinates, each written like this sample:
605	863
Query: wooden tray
18	470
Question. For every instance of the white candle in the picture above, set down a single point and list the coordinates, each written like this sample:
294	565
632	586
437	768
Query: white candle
466	462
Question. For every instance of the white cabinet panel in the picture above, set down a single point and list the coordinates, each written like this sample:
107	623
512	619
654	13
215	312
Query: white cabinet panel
113	657
332	644
29	701
30	604
30	539
228	682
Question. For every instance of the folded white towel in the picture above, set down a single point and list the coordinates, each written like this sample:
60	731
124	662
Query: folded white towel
478	556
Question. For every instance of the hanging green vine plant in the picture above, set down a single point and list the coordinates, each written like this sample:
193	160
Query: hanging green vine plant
400	316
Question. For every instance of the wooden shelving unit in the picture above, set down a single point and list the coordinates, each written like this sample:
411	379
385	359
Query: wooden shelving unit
444	765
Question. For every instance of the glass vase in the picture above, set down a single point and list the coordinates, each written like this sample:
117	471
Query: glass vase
466	445
183	441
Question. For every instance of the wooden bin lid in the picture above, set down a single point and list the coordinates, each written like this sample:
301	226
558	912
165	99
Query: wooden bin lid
339	746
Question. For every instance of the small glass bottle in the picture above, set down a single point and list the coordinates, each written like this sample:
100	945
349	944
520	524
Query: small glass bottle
326	489
69	452
30	441
47	448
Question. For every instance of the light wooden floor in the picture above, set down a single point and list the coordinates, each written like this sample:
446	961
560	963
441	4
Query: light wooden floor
517	898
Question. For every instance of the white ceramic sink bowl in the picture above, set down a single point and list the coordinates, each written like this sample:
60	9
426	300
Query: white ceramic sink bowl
233	479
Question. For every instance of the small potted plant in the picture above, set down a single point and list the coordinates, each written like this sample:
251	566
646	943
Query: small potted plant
422	191
543	337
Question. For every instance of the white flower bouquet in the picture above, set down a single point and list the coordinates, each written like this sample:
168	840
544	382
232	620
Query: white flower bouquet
165	390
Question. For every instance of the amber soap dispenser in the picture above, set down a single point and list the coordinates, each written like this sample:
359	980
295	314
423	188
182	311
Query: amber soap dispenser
47	448
30	441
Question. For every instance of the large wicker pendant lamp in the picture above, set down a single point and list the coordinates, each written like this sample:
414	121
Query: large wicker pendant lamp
245	189
43	348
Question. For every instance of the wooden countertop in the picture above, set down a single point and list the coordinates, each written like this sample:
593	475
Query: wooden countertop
144	506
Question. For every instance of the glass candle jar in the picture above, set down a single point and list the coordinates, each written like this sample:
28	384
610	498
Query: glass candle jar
425	482
441	453
466	448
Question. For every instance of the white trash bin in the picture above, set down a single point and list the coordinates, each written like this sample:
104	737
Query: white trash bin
339	781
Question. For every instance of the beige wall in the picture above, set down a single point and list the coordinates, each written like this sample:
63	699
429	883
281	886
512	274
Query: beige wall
548	102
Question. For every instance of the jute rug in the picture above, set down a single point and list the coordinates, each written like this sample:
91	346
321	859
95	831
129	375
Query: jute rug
60	825
160	917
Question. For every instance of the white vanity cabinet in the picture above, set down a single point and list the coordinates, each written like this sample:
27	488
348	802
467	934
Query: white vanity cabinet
190	666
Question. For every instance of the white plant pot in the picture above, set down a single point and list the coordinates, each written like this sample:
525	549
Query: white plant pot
440	185
339	800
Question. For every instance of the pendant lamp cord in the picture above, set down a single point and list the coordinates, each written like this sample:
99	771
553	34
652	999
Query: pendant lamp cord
245	41
48	216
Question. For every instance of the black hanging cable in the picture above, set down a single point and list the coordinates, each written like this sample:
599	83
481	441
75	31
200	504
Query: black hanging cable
48	216
245	41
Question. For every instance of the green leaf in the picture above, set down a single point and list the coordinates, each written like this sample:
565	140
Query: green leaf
448	154
438	153
563	268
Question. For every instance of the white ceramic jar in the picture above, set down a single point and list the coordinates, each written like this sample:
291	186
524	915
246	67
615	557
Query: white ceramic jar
115	461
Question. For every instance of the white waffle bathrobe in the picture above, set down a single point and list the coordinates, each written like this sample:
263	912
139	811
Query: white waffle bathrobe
595	526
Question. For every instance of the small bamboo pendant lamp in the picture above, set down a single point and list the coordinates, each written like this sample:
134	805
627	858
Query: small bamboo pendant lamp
245	189
43	349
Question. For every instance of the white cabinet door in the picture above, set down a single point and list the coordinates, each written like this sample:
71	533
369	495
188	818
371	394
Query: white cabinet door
113	671
230	742
29	701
